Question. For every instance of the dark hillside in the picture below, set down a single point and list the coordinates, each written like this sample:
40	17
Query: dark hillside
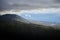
14	28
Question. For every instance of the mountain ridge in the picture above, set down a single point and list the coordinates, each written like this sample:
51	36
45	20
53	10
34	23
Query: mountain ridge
13	28
12	17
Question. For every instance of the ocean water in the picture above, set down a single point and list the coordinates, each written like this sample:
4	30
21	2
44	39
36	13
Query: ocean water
53	17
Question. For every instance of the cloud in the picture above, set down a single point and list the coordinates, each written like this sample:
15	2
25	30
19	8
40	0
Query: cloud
35	11
29	4
57	1
43	10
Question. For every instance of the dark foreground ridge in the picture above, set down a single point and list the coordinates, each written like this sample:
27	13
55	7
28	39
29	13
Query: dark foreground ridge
15	26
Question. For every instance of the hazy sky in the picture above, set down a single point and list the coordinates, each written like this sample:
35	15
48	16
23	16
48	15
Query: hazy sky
36	6
29	4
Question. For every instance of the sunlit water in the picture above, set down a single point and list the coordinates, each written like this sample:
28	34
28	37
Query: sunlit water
42	17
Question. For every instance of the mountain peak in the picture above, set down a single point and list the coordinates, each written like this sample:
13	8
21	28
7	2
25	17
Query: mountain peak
9	16
13	17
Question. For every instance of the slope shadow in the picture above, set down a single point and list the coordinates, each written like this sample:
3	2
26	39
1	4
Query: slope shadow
12	28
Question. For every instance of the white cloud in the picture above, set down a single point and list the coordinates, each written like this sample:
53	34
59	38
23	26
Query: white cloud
42	10
35	11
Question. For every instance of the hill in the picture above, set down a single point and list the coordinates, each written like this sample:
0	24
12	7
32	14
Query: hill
14	25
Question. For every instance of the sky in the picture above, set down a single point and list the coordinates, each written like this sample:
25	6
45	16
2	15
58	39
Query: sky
32	7
28	4
42	6
42	17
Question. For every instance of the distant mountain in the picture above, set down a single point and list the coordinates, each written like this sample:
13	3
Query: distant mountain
18	19
12	17
12	25
15	18
45	23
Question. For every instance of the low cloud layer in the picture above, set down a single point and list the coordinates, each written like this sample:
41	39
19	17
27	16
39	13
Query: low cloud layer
28	4
57	1
35	11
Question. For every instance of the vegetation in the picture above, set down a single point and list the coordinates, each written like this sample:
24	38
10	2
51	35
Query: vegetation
19	27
